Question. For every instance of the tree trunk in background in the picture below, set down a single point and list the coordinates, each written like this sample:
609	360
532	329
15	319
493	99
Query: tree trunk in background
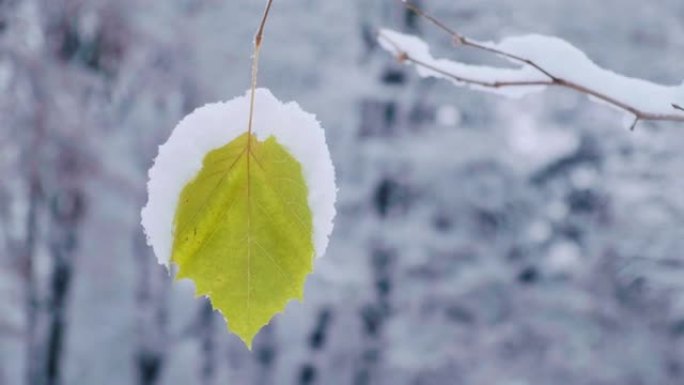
308	373
207	345
265	354
374	316
66	213
32	302
46	296
152	315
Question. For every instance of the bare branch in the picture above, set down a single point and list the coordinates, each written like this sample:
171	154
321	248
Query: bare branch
553	80
677	107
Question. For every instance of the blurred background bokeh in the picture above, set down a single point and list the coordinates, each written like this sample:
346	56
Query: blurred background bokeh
479	240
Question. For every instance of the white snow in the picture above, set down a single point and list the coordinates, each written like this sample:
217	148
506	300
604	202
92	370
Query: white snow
556	56
535	144
564	60
448	116
564	257
214	125
396	43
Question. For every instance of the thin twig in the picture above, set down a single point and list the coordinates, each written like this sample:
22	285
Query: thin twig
553	80
260	33
677	107
463	40
258	38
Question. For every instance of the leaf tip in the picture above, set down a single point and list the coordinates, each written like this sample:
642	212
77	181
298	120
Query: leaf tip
248	344
246	338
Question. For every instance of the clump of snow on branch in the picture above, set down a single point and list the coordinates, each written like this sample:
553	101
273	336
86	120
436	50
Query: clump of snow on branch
399	44
217	124
563	65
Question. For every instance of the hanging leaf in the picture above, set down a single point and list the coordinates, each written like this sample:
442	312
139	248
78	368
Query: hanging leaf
243	215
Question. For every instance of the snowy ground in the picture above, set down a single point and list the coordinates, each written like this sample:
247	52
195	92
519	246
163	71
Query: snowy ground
479	240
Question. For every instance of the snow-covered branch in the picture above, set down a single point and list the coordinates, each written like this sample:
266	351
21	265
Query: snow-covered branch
541	61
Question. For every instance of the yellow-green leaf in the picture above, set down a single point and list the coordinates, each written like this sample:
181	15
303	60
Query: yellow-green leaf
243	232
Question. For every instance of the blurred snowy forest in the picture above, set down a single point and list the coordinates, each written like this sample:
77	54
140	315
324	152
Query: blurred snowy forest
479	240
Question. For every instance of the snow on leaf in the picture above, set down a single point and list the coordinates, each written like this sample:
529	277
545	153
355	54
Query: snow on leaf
241	214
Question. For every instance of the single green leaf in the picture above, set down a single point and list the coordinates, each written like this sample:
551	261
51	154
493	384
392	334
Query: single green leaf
243	232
